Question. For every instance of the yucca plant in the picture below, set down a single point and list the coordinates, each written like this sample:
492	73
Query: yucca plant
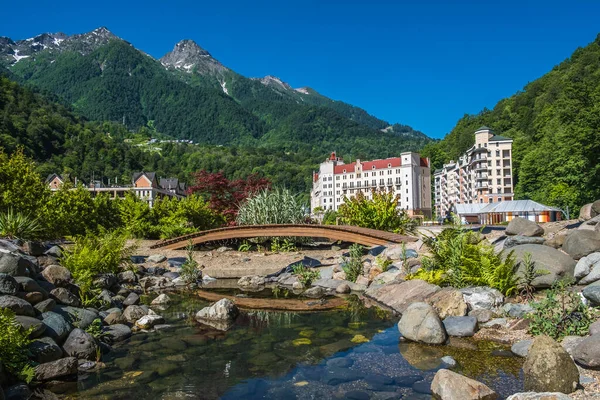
16	225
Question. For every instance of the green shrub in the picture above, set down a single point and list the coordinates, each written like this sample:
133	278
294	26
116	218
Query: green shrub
16	225
305	275
466	260
436	277
286	246
383	263
245	246
381	212
14	346
353	266
560	314
275	206
190	273
136	217
92	255
330	217
70	212
530	272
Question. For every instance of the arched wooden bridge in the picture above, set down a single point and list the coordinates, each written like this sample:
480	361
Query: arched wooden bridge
364	236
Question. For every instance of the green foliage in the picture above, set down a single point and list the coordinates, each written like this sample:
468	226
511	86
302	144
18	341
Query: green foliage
464	259
92	255
353	266
282	247
555	119
71	211
95	329
245	246
14	346
383	263
305	275
330	217
275	206
15	225
190	271
529	273
560	314
434	276
381	212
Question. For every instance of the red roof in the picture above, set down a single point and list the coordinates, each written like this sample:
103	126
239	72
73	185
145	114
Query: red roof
424	162
368	165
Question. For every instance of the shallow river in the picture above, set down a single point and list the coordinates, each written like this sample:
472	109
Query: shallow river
355	353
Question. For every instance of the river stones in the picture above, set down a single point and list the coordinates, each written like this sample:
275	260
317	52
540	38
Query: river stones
57	275
65	297
8	285
57	327
523	227
117	333
133	313
420	323
222	310
17	305
29	322
45	350
448	303
56	369
81	344
448	385
460	326
399	296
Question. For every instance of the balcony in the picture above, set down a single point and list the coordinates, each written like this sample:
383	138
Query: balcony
481	185
481	176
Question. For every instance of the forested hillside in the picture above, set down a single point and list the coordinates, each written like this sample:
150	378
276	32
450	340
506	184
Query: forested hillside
555	124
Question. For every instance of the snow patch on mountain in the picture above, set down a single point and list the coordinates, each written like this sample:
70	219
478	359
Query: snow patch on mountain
224	87
302	90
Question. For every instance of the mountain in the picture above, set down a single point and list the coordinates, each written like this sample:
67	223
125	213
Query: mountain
555	124
189	94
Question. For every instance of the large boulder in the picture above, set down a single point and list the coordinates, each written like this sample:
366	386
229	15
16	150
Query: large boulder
460	326
585	212
592	293
80	317
222	310
556	264
521	348
133	313
587	352
549	368
57	327
400	295
44	350
8	285
580	243
523	227
56	369
595	209
482	298
57	275
17	305
117	333
81	344
587	269
420	323
65	297
448	385
15	264
37	326
448	303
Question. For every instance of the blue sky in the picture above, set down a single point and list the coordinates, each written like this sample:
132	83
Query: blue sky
421	63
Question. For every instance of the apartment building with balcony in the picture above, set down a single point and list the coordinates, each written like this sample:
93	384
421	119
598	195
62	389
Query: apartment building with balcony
407	176
483	174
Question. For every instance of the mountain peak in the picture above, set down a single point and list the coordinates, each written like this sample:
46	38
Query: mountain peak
188	56
275	82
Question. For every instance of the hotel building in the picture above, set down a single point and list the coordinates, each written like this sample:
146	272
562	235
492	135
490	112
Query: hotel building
407	176
483	174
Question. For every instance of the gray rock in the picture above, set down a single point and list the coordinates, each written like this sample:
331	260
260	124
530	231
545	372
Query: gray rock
57	275
127	277
162	300
8	285
481	297
45	350
131	300
251	281
496	323
149	321
449	361
448	302
513	241
460	326
156	258
315	292
334	283
557	264
57	327
482	315
595	328
448	385
114	317
79	317
54	251
517	310
587	269
386	277
592	293
80	344
344	288
27	284
15	264
580	243
521	348
400	295
19	391
523	227
56	369
105	281
539	396
65	297
420	323
117	333
395	253
171	275
29	322
587	353
549	368
569	343
133	313
17	305
223	309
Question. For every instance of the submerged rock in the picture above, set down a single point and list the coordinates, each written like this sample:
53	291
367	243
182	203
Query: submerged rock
222	310
539	396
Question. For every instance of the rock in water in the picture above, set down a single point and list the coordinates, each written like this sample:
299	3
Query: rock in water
81	344
420	323
587	353
539	396
56	369
162	299
448	385
549	368
460	326
223	309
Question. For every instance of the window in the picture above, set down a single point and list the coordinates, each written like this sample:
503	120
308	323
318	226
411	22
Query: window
344	185
498	181
407	192
397	171
497	144
337	192
374	182
389	181
344	171
344	177
497	163
351	184
358	184
380	173
389	171
398	180
490	200
381	182
337	185
366	183
358	175
351	176
373	167
497	153
337	178
351	191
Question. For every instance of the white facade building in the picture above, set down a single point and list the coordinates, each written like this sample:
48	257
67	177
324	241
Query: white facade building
408	176
483	174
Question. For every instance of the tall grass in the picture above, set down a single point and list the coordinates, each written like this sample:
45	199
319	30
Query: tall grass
275	206
16	225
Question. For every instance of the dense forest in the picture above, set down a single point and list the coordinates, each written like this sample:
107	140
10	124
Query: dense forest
555	124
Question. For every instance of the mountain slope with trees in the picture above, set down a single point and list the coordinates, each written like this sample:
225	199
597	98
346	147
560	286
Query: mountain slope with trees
555	124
